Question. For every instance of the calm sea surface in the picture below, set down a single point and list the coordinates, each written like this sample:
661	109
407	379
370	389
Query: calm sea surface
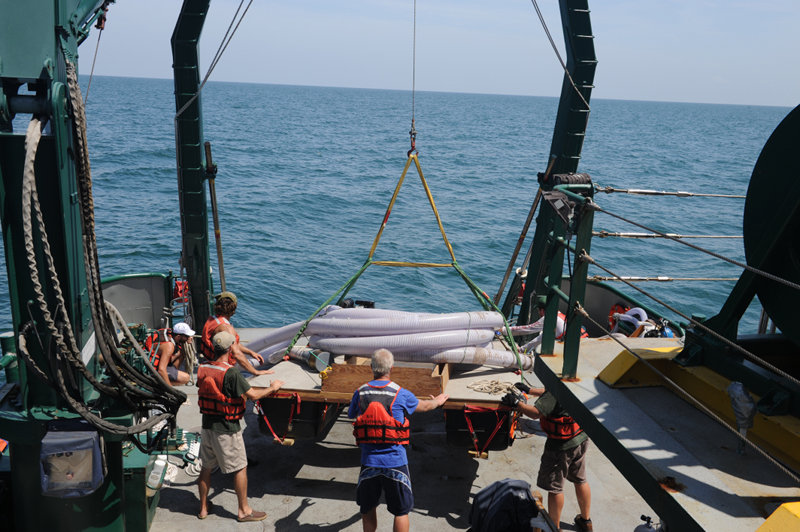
306	173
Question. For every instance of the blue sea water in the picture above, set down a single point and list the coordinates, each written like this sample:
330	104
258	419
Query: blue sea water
306	174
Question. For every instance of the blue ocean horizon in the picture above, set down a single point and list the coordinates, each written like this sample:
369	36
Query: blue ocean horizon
306	173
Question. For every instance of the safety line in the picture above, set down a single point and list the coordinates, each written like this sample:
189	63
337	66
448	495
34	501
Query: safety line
692	399
660	278
606	234
585	257
747	267
679	193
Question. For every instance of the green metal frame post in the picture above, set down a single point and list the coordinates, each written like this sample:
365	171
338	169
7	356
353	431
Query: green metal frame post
190	156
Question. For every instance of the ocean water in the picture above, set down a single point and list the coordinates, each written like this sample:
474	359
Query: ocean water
306	173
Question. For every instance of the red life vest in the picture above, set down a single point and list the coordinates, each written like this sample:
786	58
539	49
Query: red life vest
584	334
154	340
205	341
376	424
560	428
210	397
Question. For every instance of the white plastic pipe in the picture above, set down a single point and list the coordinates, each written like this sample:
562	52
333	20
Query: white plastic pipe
402	343
397	322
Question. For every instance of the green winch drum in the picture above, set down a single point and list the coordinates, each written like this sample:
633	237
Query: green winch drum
772	224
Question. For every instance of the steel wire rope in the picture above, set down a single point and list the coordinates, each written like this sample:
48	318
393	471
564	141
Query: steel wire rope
747	267
223	45
679	193
753	358
108	342
558	55
692	400
101	25
414	66
607	234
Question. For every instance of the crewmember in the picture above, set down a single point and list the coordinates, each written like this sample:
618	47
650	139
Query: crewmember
564	453
166	350
381	409
222	394
225	307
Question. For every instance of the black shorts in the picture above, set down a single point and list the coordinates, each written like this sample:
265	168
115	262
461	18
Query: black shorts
395	482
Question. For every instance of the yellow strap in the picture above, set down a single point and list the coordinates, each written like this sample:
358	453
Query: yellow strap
413	264
411	157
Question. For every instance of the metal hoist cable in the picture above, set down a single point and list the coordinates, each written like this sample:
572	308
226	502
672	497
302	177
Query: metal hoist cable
413	132
101	25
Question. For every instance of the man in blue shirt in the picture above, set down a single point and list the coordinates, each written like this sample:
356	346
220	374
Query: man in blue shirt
381	409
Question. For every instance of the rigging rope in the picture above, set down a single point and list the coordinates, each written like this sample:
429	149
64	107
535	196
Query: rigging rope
679	193
747	267
413	131
687	395
753	358
220	50
149	392
605	234
101	25
555	49
660	278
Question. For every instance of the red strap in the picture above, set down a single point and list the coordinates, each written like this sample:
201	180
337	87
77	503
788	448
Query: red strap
468	409
291	413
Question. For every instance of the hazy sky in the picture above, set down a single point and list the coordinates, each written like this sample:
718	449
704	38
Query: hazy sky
717	51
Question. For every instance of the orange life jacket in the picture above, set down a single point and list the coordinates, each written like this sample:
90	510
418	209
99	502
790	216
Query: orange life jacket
584	334
560	428
210	397
205	341
154	340
376	424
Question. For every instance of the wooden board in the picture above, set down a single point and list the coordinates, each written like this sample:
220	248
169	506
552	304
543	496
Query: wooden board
346	378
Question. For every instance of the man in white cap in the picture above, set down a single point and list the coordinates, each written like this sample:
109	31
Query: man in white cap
166	350
222	395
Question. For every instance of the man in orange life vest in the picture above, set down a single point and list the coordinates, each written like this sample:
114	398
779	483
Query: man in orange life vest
224	308
166	352
381	409
564	453
222	394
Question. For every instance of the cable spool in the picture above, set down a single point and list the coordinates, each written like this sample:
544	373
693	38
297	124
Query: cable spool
772	223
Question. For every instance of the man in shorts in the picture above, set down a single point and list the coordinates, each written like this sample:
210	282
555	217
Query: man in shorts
564	453
381	409
221	396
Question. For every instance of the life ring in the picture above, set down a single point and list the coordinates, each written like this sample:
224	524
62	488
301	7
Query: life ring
616	309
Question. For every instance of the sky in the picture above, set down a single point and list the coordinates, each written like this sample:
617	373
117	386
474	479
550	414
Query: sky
707	51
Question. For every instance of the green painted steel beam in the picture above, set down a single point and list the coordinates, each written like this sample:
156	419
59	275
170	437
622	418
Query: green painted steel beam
190	157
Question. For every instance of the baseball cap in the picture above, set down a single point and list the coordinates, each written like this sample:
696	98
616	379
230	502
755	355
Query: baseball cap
182	328
222	341
227	295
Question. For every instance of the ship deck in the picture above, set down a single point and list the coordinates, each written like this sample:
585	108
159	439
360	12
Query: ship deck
311	485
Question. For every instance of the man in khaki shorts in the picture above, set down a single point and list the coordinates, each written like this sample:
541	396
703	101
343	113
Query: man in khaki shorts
221	396
564	455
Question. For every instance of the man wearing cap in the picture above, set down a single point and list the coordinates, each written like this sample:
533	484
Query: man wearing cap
222	395
166	352
224	307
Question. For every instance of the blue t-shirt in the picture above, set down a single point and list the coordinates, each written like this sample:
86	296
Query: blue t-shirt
382	455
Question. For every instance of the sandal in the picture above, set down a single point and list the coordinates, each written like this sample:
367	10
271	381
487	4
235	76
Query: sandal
253	516
209	508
